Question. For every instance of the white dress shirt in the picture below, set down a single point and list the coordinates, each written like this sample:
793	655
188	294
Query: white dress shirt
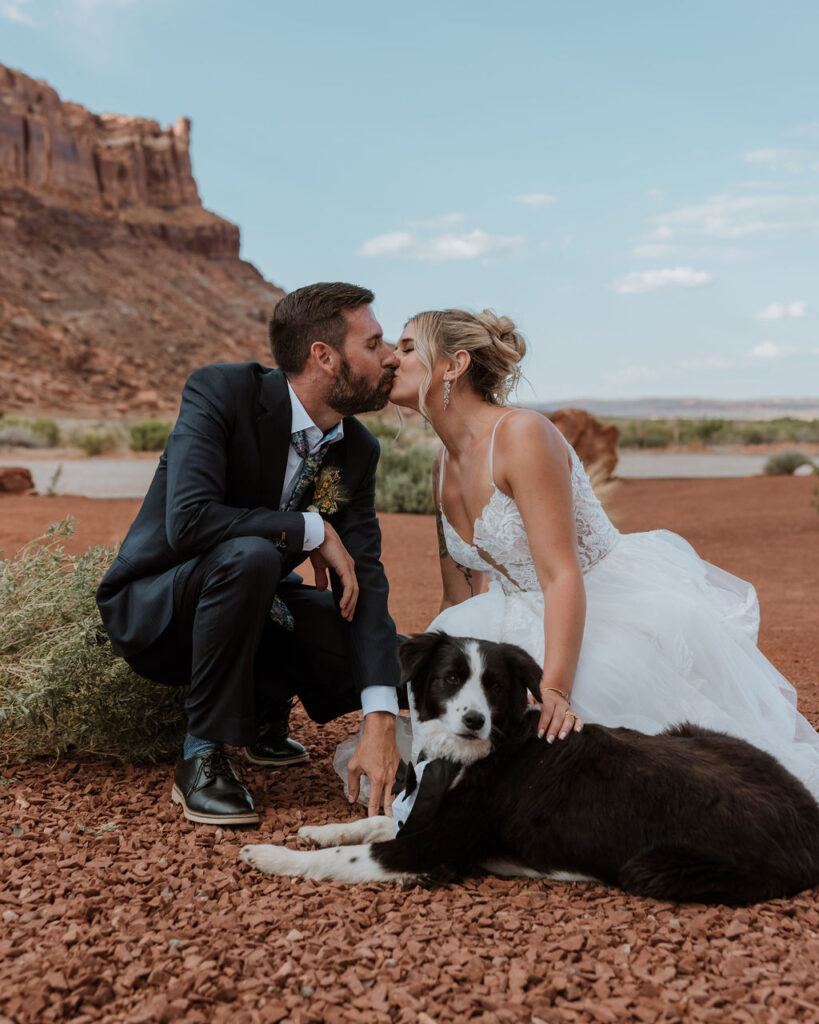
373	698
313	523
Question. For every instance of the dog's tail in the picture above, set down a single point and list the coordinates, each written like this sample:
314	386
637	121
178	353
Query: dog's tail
687	875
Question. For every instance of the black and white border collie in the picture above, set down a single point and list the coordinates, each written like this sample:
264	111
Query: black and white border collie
688	815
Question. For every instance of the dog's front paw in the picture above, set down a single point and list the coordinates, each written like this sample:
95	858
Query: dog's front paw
272	860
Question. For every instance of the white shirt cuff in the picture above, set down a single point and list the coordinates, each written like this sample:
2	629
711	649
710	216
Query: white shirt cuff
379	698
313	530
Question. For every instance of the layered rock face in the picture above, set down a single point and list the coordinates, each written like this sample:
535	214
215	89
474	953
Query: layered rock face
115	282
124	161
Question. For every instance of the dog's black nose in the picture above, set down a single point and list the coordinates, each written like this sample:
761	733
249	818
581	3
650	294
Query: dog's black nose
473	720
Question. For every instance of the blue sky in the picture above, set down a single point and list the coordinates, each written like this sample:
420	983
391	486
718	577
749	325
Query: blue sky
635	183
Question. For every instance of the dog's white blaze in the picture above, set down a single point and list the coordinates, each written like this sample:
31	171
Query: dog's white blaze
365	830
439	737
335	864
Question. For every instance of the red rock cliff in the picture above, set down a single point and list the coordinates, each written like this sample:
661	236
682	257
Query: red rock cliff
127	167
115	282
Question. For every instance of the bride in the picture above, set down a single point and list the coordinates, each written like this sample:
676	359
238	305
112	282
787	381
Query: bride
631	629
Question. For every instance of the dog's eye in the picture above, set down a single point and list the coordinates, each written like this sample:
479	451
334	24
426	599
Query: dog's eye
452	678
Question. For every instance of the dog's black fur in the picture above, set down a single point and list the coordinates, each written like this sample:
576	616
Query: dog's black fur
688	815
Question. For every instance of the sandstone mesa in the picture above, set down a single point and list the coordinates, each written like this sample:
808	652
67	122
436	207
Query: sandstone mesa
115	281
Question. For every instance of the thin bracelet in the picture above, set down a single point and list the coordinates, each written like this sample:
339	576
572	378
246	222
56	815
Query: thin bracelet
561	693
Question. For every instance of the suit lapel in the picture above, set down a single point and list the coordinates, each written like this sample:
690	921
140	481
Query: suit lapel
273	423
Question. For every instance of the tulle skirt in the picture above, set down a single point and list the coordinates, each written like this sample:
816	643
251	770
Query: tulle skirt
668	638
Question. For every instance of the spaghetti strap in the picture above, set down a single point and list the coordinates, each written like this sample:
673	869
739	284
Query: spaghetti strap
492	447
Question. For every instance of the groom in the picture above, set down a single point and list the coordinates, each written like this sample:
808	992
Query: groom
202	592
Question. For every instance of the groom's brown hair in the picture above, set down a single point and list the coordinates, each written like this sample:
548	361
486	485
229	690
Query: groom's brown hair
310	314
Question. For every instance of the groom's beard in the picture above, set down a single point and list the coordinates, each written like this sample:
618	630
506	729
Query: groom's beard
351	395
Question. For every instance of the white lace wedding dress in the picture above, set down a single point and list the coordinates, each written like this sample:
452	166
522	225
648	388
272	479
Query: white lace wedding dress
668	637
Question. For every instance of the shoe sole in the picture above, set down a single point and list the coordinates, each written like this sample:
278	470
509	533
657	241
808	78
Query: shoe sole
275	762
249	818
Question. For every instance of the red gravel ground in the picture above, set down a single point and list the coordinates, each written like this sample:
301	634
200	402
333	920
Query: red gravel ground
116	909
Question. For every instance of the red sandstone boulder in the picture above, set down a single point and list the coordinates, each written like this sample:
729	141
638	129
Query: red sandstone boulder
15	480
595	443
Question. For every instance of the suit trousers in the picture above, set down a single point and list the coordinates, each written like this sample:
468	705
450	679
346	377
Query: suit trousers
238	663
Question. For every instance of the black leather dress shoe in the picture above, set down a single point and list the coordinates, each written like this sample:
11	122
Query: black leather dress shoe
209	790
274	747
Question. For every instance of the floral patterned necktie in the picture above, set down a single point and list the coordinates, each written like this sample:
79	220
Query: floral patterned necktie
279	612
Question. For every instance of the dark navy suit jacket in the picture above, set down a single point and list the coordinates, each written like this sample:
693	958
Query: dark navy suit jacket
220	477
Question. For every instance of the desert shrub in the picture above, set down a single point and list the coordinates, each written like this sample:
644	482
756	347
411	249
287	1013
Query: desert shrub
38	433
61	686
783	463
404	479
643	433
382	429
14	434
96	440
47	429
150	436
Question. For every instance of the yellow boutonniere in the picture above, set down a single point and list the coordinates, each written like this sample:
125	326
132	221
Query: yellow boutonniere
328	493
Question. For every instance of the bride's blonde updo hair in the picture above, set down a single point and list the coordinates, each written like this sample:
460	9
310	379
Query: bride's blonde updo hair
493	343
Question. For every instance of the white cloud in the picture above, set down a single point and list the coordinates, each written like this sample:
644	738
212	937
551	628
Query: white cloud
766	350
777	159
397	243
783	311
467	246
447	220
535	199
730	216
640	281
18	11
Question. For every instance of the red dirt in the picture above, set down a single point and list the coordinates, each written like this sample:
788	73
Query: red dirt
155	920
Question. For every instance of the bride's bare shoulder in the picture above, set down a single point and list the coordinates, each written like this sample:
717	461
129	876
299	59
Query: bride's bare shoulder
530	451
527	427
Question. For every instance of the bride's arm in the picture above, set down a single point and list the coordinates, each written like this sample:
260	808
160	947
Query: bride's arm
532	464
460	582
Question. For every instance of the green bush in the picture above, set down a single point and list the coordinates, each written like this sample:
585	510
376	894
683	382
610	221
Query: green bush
39	433
61	685
150	436
404	479
96	440
47	429
647	433
783	463
383	430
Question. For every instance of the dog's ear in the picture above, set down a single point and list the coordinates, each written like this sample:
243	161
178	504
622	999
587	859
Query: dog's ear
523	667
416	650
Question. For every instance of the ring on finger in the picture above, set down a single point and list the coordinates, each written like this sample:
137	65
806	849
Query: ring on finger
570	711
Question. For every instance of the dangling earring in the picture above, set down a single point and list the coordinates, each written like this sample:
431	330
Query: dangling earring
447	389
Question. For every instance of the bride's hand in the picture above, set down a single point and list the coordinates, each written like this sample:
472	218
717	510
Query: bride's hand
557	717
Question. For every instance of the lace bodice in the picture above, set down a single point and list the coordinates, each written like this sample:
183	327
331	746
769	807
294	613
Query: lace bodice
500	546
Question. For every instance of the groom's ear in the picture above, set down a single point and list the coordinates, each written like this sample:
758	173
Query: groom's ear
522	666
416	651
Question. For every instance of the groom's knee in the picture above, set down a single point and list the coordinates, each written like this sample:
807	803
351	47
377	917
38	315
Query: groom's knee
247	569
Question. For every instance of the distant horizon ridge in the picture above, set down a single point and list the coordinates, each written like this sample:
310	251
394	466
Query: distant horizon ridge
694	408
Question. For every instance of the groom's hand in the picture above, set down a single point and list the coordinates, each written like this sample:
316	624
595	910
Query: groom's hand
377	757
331	554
